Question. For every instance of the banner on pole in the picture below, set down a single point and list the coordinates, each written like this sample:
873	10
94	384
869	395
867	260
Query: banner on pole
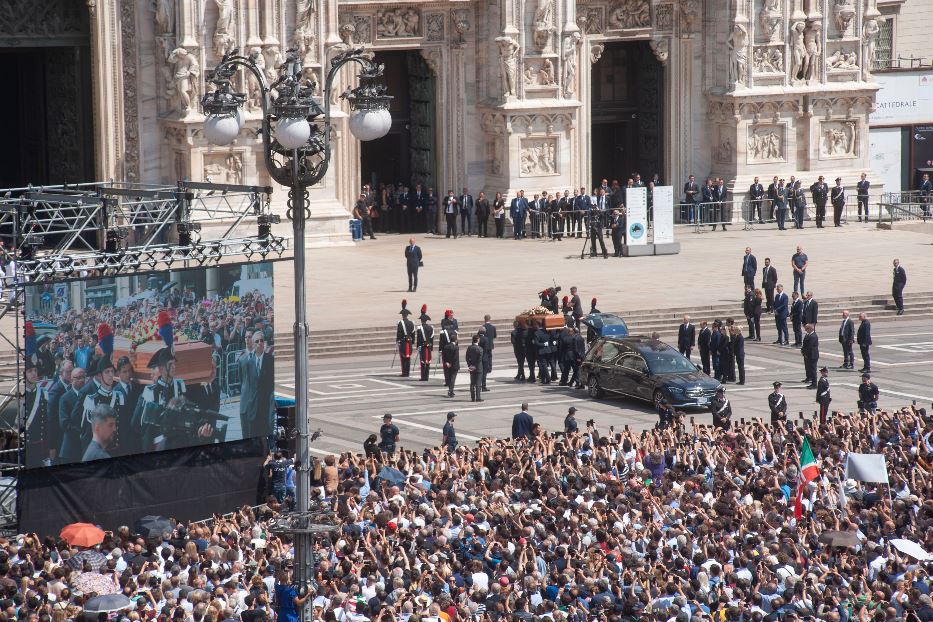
662	207
867	468
636	213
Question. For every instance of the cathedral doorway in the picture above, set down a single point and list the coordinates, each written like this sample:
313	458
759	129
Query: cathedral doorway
45	67
627	100
407	154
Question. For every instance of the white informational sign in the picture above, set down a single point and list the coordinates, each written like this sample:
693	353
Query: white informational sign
663	208
636	213
886	148
905	98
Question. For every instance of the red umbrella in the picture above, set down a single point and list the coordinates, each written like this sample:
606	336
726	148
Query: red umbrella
82	534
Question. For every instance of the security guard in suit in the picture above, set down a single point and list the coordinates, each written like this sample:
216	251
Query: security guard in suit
823	397
861	193
756	193
425	343
777	404
404	338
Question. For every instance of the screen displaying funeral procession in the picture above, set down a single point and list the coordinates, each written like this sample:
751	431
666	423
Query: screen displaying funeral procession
164	360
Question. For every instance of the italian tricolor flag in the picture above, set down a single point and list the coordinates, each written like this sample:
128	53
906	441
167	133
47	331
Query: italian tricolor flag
809	471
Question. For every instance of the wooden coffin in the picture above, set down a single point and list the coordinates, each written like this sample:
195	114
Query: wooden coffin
552	320
192	359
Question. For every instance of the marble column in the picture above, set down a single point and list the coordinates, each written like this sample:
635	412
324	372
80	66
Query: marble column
106	80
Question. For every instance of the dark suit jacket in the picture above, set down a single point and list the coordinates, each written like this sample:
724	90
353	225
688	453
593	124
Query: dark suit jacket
521	425
863	337
811	346
265	396
900	276
738	347
207	397
780	305
474	356
846	331
451	354
811	312
695	188
756	191
703	339
769	277
749	266
490	335
709	194
413	256
69	421
686	336
796	310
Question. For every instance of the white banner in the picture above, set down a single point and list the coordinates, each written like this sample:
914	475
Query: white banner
905	98
663	208
636	213
867	468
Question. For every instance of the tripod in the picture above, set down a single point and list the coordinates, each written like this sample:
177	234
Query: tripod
593	225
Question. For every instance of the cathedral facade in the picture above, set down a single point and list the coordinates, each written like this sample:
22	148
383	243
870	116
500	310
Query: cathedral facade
498	95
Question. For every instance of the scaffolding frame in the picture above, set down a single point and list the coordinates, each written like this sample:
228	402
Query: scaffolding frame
56	233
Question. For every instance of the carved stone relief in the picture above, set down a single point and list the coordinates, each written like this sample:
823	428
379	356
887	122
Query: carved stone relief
223	168
460	24
434	26
224	27
130	92
765	144
596	52
396	23
843	14
725	151
689	16
627	14
769	59
538	157
494	156
664	17
838	139
770	20
363	29
539	73
543	25
590	20
164	16
813	44
661	46
842	60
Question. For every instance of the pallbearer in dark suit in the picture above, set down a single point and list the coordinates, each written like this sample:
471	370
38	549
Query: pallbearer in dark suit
810	349
703	344
897	288
686	337
451	358
863	337
404	337
474	361
861	192
823	397
491	335
715	342
737	340
847	338
425	342
749	268
756	193
819	191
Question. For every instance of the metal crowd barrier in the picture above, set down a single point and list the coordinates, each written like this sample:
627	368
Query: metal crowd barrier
907	205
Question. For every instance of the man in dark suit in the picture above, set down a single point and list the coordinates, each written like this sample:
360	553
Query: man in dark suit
412	263
703	343
686	337
132	390
430	210
467	209
723	211
847	338
708	206
897	288
55	391
517	211
861	194
715	345
576	307
262	423
823	395
450	355
581	204
522	423
596	225
756	193
863	337
796	313
691	199
617	225
416	208
926	194
820	193
810	349
780	204
248	381
811	310
474	361
769	279
403	213
772	194
749	268
781	311
69	418
491	334
450	213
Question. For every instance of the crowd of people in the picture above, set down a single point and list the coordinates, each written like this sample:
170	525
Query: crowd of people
684	523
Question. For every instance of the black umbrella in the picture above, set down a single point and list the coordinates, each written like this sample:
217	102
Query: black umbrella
107	603
153	526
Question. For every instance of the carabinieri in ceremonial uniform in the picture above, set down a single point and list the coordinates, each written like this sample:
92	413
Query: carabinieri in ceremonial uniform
425	342
404	338
100	390
36	403
823	397
155	398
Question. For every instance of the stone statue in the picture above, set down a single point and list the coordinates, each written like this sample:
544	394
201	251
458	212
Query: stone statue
273	59
840	59
304	28
508	59
186	73
770	19
738	55
843	12
223	30
254	90
869	34
798	51
346	33
546	74
164	16
542	23
569	57
814	47
662	49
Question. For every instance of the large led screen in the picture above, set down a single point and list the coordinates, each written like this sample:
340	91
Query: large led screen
164	360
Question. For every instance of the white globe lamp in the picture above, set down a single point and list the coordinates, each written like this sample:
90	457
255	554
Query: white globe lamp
293	133
222	129
370	124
